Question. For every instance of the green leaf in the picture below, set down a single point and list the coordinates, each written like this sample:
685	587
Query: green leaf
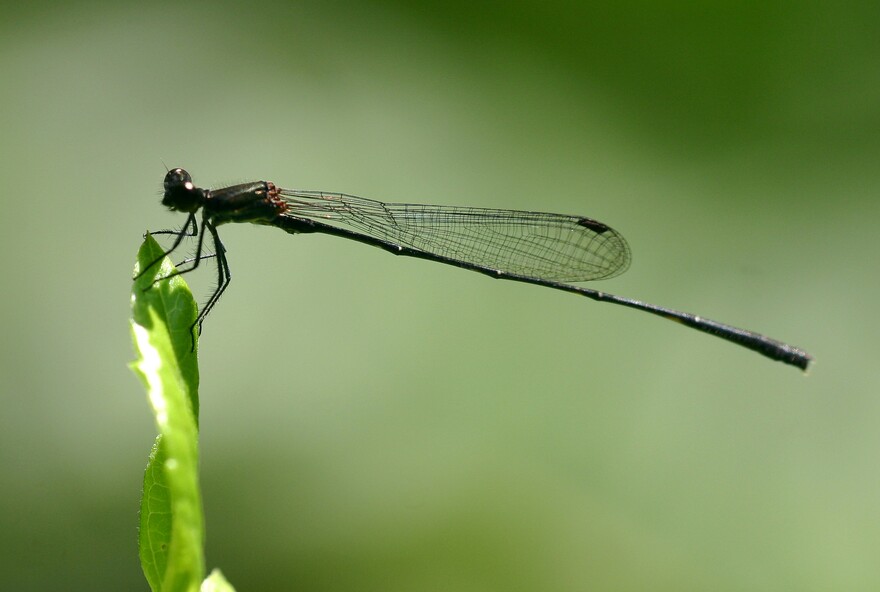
171	533
216	583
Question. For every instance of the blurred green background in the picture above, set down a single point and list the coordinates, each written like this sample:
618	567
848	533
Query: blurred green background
377	423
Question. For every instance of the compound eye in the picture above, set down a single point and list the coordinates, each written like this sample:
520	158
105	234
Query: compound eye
177	178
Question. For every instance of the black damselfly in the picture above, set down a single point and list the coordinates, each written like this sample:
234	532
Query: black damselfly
532	247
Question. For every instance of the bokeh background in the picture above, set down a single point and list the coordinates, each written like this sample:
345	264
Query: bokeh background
376	423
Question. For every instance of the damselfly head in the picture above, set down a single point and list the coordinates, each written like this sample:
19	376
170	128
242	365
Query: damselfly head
181	195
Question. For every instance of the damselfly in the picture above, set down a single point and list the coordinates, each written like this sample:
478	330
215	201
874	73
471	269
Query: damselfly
533	247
